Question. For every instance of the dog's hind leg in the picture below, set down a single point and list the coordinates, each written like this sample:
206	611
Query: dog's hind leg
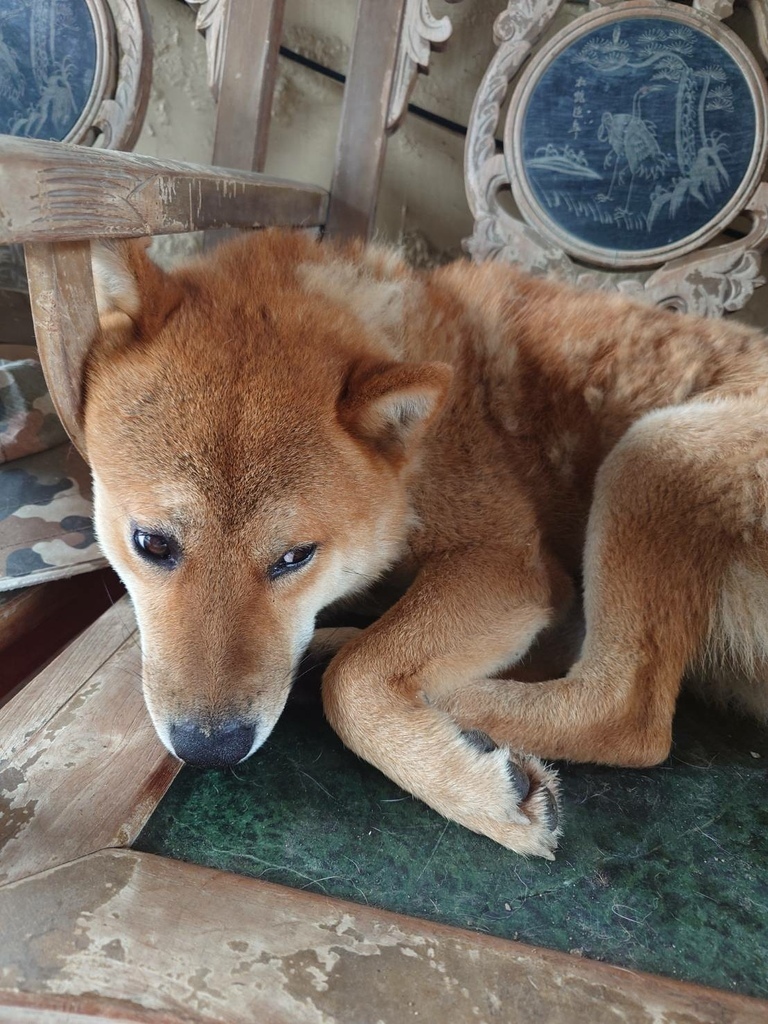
680	502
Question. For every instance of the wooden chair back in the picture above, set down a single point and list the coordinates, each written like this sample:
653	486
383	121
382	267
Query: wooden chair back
56	198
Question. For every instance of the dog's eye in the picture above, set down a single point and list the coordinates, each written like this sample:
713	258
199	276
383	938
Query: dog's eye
292	559
154	546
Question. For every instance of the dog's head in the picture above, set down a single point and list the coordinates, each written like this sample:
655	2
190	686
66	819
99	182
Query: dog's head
250	427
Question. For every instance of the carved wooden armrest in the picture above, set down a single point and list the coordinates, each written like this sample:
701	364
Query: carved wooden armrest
51	192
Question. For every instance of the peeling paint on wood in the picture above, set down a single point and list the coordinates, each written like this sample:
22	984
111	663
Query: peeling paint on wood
87	768
201	945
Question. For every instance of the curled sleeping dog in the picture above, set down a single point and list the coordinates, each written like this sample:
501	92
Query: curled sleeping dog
277	426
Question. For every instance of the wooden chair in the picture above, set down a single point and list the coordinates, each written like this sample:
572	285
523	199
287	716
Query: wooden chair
90	930
79	73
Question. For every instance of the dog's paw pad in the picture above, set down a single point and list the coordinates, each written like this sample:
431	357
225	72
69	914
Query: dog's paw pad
481	741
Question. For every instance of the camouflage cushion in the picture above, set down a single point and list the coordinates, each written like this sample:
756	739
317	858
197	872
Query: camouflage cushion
46	530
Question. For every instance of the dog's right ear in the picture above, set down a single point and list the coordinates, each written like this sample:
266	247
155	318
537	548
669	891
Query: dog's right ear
130	288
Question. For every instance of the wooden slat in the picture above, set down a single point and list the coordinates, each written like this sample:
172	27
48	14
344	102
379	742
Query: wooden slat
53	192
66	323
37	623
21	1008
251	48
49	692
81	767
22	610
362	135
150	934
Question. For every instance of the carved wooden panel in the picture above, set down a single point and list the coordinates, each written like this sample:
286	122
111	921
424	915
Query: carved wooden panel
74	69
633	138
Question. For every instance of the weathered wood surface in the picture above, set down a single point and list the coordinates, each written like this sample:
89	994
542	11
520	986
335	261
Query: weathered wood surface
66	322
247	84
19	1008
81	767
361	144
200	945
53	192
21	610
121	113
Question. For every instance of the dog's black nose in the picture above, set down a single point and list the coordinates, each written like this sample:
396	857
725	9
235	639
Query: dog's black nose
219	747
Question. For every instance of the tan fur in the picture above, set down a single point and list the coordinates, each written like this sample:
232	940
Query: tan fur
501	442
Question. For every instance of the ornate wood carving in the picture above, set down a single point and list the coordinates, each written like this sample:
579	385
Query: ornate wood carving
717	8
120	116
114	112
212	23
708	281
421	31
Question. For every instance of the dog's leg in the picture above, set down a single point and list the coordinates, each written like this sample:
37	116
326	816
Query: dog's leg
328	641
680	501
465	613
325	643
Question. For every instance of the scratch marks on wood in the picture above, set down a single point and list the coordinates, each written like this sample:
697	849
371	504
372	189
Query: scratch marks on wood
53	192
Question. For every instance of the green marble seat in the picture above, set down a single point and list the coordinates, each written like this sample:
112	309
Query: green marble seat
663	870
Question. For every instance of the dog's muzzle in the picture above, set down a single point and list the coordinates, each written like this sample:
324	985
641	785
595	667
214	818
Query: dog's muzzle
219	746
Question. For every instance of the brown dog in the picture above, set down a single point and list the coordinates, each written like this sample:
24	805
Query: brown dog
274	428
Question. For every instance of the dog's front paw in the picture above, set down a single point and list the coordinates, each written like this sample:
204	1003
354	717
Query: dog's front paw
509	797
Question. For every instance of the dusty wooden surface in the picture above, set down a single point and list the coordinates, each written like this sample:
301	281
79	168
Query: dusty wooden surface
81	767
247	84
52	192
37	622
150	934
121	936
361	143
66	322
21	610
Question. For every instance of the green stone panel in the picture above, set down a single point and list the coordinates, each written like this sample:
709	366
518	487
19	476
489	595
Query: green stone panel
662	870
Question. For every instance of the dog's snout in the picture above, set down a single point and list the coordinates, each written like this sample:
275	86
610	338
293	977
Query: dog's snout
217	747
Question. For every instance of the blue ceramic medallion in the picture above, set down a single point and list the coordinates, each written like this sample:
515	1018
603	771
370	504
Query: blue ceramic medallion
636	135
48	56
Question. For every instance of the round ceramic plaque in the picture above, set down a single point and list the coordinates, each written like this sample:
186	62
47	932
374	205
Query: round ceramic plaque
54	66
637	134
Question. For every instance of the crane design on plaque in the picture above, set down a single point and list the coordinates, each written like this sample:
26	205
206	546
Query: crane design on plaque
637	134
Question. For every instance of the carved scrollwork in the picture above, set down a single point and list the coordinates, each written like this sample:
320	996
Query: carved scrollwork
717	8
211	22
719	279
498	235
708	282
421	31
120	116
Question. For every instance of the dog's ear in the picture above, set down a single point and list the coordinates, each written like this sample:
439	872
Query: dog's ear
130	288
390	405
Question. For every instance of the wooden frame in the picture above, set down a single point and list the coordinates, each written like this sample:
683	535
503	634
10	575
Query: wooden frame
114	113
114	110
707	281
530	78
